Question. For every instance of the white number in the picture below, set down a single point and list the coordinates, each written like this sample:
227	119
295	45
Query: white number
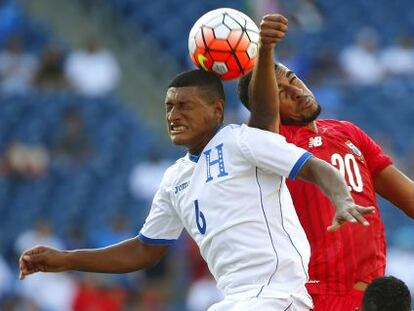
349	166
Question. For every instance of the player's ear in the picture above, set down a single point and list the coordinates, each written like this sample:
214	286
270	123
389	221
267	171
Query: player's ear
219	109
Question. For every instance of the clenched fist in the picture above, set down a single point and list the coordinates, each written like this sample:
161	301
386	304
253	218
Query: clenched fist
41	259
273	28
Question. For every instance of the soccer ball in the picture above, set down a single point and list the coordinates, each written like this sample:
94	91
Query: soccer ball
225	42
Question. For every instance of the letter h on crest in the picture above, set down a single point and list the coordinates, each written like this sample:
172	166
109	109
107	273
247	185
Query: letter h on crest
219	161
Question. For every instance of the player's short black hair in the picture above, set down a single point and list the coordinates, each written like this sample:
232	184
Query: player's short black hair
243	87
387	294
206	81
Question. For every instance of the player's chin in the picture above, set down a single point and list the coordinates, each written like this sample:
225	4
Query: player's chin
311	112
307	113
315	106
178	139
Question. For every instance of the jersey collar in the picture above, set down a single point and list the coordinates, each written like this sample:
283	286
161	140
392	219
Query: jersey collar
193	158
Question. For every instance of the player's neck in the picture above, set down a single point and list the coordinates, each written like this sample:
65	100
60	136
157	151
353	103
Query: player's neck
196	148
312	126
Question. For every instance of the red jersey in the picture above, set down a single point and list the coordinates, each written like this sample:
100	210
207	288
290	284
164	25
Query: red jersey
354	252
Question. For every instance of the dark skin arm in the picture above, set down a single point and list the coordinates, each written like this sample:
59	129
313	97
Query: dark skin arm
126	256
333	185
397	188
263	88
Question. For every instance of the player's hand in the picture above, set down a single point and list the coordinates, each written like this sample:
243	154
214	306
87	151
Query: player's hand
273	28
350	212
41	259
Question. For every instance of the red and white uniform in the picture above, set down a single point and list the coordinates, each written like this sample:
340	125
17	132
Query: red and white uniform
354	253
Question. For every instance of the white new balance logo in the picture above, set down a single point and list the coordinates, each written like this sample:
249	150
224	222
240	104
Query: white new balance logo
315	141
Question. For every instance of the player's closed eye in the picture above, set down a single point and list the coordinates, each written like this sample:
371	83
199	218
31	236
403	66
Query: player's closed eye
185	106
293	78
288	91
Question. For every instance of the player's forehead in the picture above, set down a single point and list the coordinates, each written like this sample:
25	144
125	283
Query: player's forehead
181	94
283	72
287	76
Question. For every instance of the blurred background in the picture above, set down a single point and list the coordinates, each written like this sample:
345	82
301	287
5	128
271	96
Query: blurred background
82	133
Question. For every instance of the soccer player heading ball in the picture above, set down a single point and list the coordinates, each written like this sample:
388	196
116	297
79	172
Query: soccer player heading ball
229	193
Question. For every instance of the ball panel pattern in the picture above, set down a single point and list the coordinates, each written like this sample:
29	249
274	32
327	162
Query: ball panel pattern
224	41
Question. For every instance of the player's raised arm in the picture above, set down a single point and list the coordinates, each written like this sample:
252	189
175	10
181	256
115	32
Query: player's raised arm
333	185
397	188
127	256
263	88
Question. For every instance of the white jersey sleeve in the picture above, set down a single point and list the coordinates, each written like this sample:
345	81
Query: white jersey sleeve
271	152
162	226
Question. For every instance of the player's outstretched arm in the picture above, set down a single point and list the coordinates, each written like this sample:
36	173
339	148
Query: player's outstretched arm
397	188
126	256
263	88
333	185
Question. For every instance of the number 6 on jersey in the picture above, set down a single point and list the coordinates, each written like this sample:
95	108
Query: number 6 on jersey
200	219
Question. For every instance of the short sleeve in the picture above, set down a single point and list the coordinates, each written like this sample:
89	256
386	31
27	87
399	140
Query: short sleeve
376	159
162	226
271	152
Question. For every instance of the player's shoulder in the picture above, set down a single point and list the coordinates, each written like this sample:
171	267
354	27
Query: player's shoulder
178	164
173	171
340	125
227	133
334	122
244	130
231	129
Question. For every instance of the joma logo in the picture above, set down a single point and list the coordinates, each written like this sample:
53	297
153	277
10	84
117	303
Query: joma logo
181	187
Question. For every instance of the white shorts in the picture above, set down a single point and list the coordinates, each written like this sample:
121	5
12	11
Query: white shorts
259	304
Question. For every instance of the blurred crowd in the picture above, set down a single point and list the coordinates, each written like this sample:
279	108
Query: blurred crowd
28	59
363	62
90	71
71	148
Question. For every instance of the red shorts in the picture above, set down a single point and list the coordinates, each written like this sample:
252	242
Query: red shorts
349	302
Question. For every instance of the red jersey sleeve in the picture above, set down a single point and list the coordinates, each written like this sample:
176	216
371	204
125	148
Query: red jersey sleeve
376	159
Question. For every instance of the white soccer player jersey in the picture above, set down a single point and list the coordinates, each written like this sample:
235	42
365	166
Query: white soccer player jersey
234	203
